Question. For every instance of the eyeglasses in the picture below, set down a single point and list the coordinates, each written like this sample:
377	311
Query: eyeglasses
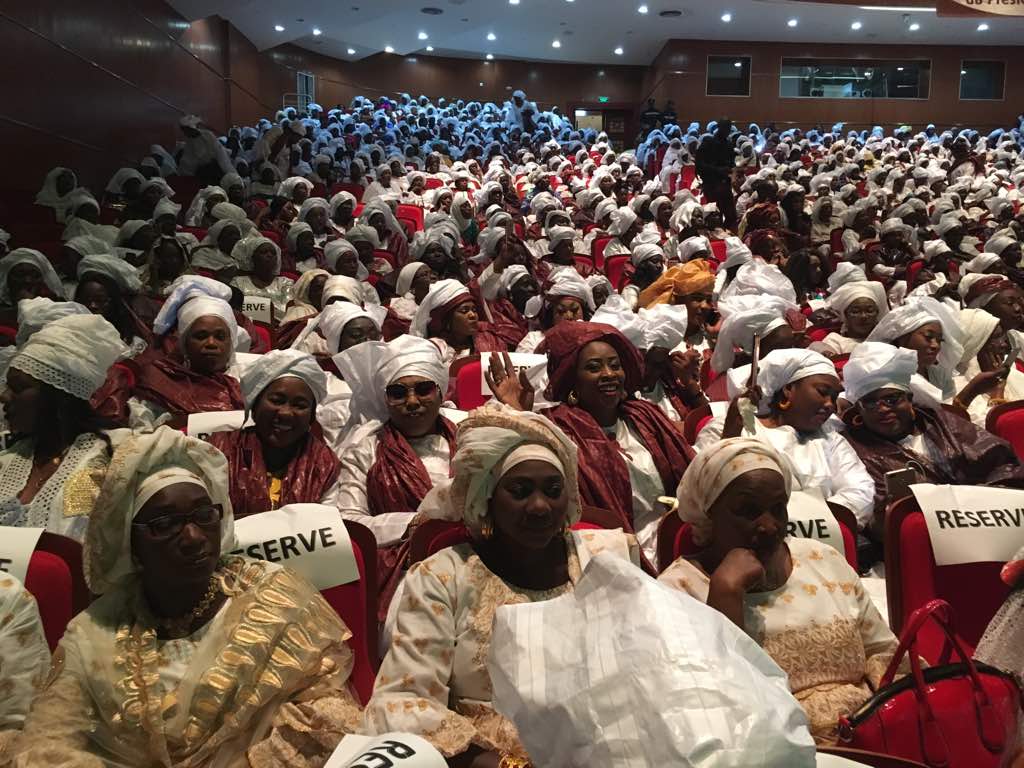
399	393
170	526
889	401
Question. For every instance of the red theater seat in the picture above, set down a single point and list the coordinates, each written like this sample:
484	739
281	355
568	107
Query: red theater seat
1007	421
597	249
57	582
614	269
356	190
468	391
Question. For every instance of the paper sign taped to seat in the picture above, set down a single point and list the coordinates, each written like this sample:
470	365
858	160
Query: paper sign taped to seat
202	425
390	750
311	539
534	365
16	548
811	518
258	309
971	523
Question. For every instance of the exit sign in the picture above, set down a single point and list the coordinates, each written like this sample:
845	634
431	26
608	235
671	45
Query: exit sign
603	99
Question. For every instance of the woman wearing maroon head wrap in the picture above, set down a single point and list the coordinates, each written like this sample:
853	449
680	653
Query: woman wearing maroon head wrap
630	452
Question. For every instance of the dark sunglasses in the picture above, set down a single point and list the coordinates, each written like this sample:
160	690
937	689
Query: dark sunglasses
399	393
170	526
889	401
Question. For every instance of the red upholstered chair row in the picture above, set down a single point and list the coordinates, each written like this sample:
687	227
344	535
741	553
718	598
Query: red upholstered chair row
56	580
468	390
614	269
1007	422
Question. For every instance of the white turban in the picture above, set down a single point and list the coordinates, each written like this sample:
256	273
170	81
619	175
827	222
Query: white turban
72	354
406	276
292	238
310	203
35	314
363	233
340	286
736	253
982	261
123	274
491	441
335	248
605	207
622	219
246	247
876	365
785	366
694	245
645	252
976	326
744	318
192	297
558	234
934	248
948	222
844	273
442	292
711	472
849	292
567	282
922	311
511	275
332	321
37	260
144	464
279	364
998	243
755	278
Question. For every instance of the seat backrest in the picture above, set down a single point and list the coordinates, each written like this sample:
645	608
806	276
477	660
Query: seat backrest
271	235
411	212
388	256
615	267
468	392
597	247
973	590
434	535
718	249
1007	422
582	260
668	532
356	604
264	333
7	335
433	183
56	580
816	334
692	421
840	361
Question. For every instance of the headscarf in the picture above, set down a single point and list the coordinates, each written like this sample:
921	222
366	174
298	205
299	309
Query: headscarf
347	288
746	317
755	278
563	345
246	247
332	320
142	465
72	354
645	252
976	326
123	274
785	366
975	288
711	472
48	196
736	253
678	283
558	234
37	260
981	262
35	314
849	292
622	219
876	365
406	276
846	272
380	206
922	311
296	229
442	298
88	245
310	203
491	441
192	297
279	364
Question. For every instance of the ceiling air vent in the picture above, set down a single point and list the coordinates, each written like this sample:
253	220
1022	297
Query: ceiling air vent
431	11
670	14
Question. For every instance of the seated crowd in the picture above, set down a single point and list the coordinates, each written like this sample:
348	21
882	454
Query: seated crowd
712	322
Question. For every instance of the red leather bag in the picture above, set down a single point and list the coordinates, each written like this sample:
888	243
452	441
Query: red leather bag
957	714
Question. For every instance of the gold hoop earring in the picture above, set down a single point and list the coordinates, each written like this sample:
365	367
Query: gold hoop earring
573	398
858	420
785	405
486	531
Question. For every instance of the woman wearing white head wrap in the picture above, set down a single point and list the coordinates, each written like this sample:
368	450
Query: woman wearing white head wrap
625	226
50	381
159	555
392	235
414	280
985	376
301	253
306	298
931	329
860	303
315	211
648	261
745	317
755	278
342	205
797	400
194	378
382	184
214	251
25	274
259	260
198	214
106	286
898	423
565	299
283	458
780	590
58	185
514	486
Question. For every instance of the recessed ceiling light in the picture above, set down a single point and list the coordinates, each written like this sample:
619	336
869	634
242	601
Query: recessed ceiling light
963	71
983	27
422	35
726	17
856	25
792	22
388	49
491	36
899	69
513	2
430	49
317	32
481	85
490	57
556	44
914	27
351	51
738	64
619	51
278	28
642	9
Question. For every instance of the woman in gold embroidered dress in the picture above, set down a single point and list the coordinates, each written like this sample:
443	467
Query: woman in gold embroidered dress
514	485
798	598
190	658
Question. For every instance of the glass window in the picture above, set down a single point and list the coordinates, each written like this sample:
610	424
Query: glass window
982	80
728	75
854	79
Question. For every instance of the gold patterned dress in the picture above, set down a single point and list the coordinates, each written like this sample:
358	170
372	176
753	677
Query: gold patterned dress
263	683
434	680
820	627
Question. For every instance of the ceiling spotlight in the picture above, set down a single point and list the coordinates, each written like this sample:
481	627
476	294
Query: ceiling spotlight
278	28
430	49
422	35
317	32
792	22
726	17
351	51
490	57
983	27
963	72
556	43
513	2
642	9
618	51
899	69
481	85
491	36
388	49
856	25
914	27
738	64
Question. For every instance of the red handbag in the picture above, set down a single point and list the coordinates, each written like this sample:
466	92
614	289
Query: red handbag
953	715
